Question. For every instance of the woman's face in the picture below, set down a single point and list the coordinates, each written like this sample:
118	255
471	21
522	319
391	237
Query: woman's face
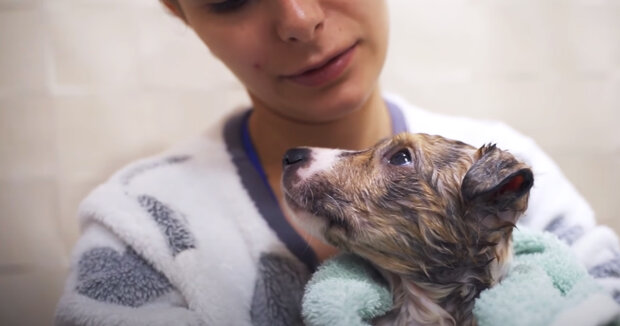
308	60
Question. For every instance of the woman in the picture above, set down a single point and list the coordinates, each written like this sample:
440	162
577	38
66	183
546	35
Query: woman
197	235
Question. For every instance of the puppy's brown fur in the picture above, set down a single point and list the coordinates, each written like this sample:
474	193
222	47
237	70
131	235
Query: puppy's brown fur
435	216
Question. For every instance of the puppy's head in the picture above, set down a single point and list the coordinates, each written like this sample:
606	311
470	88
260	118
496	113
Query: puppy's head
435	212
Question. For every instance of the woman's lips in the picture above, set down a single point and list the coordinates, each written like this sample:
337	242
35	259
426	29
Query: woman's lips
325	72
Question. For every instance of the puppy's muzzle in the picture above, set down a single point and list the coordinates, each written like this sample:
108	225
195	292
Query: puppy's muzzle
293	160
295	157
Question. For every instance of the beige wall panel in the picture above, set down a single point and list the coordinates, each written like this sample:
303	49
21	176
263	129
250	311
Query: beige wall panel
92	49
22	52
27	143
29	297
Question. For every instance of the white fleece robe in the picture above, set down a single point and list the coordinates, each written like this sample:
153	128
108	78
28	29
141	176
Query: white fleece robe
176	239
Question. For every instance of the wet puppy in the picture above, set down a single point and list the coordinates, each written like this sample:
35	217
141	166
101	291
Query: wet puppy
434	216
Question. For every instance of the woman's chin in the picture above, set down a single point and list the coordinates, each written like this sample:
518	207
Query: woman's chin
333	104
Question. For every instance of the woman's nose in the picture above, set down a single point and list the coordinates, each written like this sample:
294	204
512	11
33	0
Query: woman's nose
299	20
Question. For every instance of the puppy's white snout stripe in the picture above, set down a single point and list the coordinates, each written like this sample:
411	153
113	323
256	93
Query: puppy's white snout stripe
321	159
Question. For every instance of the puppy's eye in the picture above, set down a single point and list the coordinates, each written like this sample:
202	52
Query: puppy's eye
402	157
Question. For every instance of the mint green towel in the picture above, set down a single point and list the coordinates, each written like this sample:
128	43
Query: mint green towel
545	286
345	291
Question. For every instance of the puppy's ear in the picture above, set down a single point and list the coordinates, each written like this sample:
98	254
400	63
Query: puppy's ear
497	184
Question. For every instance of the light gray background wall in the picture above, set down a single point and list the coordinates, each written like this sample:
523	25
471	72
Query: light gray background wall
89	85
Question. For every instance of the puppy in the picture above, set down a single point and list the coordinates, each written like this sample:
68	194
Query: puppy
434	216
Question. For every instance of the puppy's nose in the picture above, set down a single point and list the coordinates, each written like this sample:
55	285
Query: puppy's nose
295	156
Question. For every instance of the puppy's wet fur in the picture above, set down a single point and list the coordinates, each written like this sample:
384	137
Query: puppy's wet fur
433	215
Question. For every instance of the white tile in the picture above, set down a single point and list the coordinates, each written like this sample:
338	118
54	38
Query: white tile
608	3
22	58
429	40
524	38
542	37
98	133
171	56
615	102
517	38
93	49
594	37
30	297
71	190
27	144
29	235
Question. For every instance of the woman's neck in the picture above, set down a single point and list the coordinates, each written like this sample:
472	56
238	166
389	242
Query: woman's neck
272	134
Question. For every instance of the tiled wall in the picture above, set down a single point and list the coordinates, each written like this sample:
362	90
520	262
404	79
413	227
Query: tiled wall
89	85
